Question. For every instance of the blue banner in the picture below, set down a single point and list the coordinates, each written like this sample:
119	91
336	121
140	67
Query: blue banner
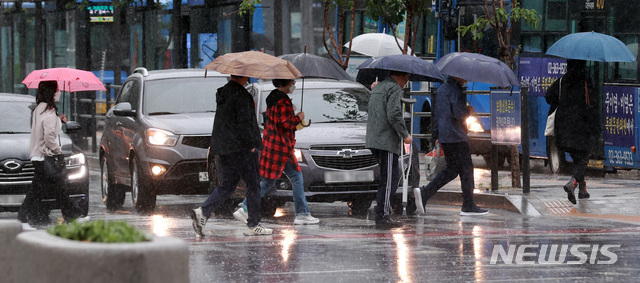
539	73
505	117
620	111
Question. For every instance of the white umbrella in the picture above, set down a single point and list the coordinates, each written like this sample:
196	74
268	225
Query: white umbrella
377	44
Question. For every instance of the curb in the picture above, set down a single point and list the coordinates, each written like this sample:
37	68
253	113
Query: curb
513	203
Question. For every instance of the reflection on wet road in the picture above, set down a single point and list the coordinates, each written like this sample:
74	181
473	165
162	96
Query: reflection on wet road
441	246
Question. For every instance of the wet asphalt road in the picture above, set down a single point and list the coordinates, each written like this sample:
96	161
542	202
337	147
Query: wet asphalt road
441	246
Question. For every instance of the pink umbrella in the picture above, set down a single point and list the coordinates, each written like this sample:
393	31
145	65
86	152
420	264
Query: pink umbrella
68	79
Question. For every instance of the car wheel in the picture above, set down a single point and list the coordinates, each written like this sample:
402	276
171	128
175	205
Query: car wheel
112	195
144	200
556	157
359	207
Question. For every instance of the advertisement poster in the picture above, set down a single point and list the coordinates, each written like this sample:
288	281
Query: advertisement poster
505	117
619	110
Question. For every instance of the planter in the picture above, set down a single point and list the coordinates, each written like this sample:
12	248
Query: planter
49	258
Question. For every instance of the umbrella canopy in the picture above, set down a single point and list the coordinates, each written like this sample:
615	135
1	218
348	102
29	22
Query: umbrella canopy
591	46
420	70
68	79
376	44
254	64
476	67
313	66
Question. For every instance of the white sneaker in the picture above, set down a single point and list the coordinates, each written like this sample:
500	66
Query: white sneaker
258	230
27	227
305	219
241	215
417	195
198	220
81	220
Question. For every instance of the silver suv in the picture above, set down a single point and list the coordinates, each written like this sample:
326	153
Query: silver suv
331	152
157	135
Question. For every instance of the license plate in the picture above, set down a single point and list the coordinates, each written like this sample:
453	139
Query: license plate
595	163
203	176
348	177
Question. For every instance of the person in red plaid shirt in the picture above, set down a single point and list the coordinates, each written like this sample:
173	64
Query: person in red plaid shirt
279	139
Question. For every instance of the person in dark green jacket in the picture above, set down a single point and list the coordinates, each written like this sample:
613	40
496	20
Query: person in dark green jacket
386	131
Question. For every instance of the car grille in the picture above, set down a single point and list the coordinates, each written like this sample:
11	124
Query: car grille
197	141
187	167
337	147
24	175
341	163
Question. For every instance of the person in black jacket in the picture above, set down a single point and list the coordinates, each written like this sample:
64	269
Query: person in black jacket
576	121
235	139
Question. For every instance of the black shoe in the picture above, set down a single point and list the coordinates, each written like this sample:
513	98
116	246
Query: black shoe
570	195
388	223
473	210
582	191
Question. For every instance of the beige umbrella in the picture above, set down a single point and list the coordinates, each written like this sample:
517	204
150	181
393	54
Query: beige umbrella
254	64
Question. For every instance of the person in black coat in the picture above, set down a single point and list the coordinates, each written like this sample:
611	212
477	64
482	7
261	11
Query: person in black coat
235	139
576	121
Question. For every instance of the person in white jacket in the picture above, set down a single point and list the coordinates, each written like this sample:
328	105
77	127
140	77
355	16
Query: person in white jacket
45	127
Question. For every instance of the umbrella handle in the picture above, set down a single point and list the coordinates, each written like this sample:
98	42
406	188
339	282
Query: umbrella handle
307	125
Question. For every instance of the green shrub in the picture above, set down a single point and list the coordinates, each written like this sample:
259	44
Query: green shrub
99	231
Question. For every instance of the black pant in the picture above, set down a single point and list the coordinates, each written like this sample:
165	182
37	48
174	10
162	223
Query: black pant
46	187
580	160
389	178
458	159
239	165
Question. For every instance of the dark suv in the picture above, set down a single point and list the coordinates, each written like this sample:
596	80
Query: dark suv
156	136
16	169
331	152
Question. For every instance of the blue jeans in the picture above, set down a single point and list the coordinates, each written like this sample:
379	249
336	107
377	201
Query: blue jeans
458	162
238	165
299	200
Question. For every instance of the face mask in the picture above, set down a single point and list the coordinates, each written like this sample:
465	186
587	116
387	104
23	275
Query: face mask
292	88
56	96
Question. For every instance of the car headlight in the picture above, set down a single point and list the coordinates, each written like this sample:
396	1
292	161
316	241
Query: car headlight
161	137
473	125
75	160
298	155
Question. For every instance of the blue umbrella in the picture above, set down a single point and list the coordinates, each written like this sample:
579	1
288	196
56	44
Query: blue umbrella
476	67
591	46
420	70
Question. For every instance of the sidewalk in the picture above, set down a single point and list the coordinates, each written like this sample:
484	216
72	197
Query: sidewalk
614	197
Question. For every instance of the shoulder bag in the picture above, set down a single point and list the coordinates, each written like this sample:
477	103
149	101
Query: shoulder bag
549	129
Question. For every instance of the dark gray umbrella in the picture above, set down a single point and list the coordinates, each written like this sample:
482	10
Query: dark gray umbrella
420	70
313	66
476	67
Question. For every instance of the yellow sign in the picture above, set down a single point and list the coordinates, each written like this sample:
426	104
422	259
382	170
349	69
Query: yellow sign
593	163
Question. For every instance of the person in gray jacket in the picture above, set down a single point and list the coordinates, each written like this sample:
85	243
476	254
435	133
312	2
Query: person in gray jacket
451	113
44	141
386	131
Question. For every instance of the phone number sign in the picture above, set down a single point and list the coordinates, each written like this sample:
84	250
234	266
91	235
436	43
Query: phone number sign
619	108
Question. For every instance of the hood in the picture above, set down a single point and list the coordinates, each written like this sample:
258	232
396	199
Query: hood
331	133
17	146
184	124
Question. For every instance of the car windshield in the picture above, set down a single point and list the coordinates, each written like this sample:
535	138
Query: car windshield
330	105
181	95
16	117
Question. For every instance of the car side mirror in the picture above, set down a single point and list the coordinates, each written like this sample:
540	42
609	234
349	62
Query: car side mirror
123	109
72	127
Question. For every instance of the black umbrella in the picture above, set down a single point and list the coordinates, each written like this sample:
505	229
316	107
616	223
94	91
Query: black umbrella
313	66
378	68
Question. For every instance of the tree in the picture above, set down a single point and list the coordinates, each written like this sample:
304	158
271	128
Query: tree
393	12
335	51
503	21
